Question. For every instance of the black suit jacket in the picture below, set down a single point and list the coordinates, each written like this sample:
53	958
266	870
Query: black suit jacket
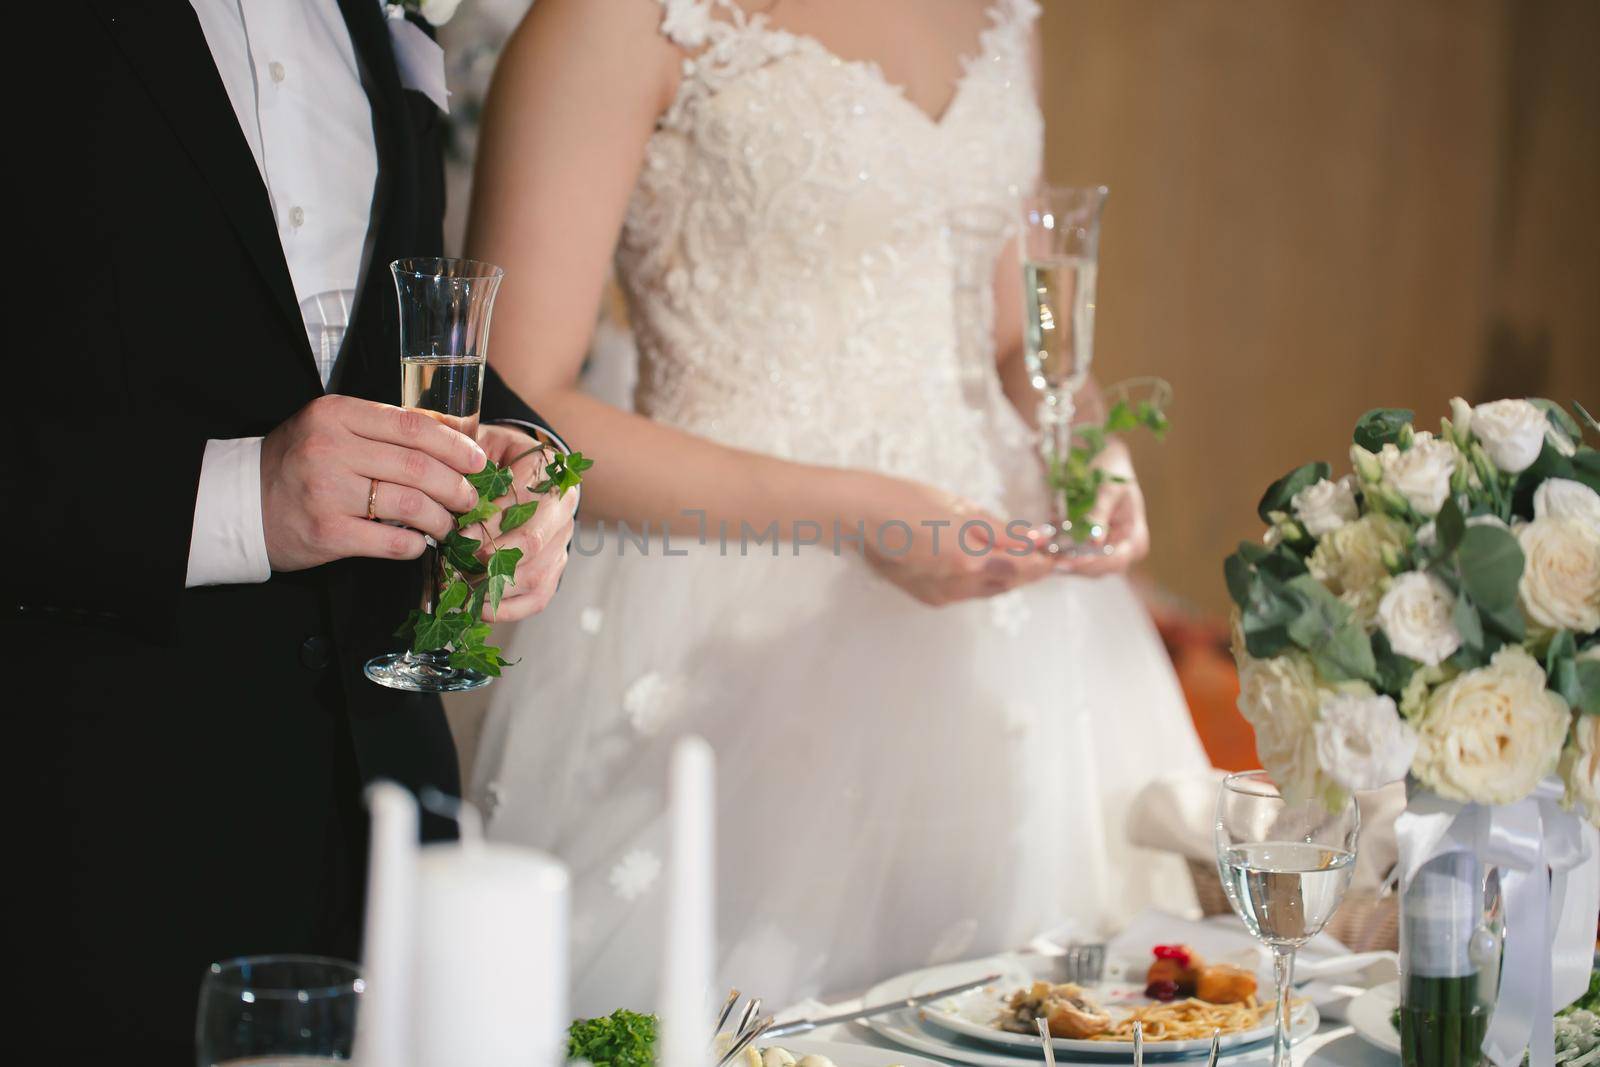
195	756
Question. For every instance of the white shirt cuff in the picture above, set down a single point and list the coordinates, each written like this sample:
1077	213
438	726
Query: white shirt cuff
229	544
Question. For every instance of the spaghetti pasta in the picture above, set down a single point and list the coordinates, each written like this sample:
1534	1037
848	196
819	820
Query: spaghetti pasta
1188	1020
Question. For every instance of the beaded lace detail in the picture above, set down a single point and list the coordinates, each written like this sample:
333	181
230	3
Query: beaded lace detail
784	254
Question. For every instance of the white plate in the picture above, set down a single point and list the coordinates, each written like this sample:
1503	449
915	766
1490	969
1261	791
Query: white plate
1371	1015
848	1055
949	1035
973	1015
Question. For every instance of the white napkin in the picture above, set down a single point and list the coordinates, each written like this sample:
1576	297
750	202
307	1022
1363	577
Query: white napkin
1175	814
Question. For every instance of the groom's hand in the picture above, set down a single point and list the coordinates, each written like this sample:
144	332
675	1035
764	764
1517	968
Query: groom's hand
318	469
543	538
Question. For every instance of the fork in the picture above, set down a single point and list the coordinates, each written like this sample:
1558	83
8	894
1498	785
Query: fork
752	1024
1216	1046
1083	964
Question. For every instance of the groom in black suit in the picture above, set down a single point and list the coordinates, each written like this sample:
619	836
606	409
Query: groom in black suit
194	750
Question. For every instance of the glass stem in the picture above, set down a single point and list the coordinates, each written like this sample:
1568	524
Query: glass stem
1283	971
1056	411
430	598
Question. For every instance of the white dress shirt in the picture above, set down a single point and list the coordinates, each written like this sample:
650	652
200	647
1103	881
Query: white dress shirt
291	73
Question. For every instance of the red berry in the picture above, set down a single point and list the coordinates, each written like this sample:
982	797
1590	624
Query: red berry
1173	952
1162	990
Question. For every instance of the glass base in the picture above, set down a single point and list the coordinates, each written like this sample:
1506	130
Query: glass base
1061	542
422	672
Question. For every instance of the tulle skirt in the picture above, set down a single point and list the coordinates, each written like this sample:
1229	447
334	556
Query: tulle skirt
898	785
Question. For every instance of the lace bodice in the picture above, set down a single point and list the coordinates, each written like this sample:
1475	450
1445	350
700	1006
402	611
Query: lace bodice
785	253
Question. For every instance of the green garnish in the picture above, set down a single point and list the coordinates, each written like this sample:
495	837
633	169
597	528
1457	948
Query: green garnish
622	1039
465	582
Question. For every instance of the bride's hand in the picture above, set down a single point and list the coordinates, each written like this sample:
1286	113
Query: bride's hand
1120	510
940	548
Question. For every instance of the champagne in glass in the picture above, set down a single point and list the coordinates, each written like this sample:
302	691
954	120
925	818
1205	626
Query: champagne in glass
445	307
1060	260
277	1011
1285	867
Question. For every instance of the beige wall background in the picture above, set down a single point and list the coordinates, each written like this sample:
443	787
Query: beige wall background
1319	207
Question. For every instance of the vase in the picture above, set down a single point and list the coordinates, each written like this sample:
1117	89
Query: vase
1450	938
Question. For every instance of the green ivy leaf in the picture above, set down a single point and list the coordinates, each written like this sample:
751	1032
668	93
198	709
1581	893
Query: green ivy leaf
492	482
455	594
461	552
517	515
480	511
1382	426
1280	494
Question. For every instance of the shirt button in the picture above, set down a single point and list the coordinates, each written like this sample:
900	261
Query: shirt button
314	653
297	217
276	70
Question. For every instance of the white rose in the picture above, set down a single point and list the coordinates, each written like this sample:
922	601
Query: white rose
1560	584
1460	417
1563	498
1512	432
1349	561
1580	768
1362	743
439	12
1421	473
1487	736
1415	616
1279	697
1326	506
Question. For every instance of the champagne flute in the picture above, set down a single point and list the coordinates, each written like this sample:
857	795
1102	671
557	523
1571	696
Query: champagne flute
277	1011
1060	261
1285	867
445	306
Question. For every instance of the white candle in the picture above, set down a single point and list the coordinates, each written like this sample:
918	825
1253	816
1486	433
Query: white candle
383	1025
491	971
686	970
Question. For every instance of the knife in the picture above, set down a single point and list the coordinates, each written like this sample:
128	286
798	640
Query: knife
805	1026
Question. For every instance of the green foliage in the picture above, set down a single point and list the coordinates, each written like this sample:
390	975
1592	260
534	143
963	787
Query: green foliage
1279	611
1382	426
1576	680
1074	476
622	1039
467	582
1280	494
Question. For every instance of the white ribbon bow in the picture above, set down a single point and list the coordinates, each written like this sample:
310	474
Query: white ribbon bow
1549	862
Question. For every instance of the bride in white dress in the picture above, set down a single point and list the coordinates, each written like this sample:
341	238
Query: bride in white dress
899	783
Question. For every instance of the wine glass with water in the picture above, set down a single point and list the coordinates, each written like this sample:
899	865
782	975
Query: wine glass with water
277	1011
1285	867
445	307
1060	262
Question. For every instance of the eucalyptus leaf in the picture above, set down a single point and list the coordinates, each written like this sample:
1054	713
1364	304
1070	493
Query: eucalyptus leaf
1280	494
1448	528
1382	426
1325	628
1491	566
1394	670
1269	610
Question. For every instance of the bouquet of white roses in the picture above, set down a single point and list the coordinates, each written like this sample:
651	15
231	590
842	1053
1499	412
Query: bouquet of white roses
1432	613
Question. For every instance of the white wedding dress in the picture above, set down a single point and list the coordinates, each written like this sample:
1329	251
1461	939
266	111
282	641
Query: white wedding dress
898	784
